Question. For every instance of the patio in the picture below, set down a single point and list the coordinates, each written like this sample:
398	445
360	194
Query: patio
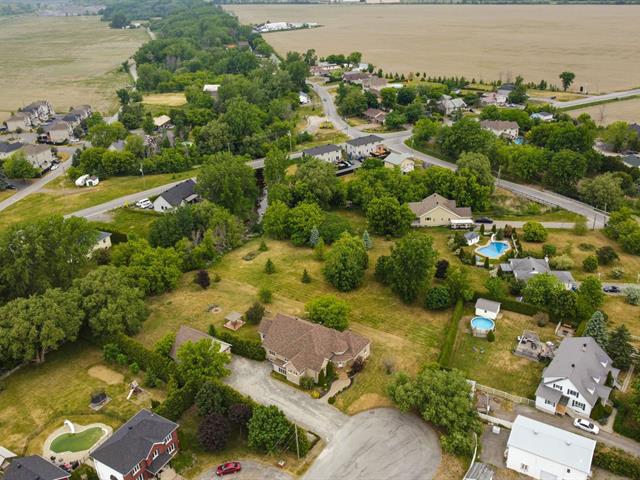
531	347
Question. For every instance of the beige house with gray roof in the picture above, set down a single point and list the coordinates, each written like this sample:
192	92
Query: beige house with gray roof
437	211
297	348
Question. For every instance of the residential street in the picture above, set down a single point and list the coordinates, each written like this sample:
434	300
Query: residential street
371	445
597	98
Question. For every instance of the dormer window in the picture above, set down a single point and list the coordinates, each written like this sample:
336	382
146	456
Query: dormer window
591	390
168	438
596	379
604	364
136	469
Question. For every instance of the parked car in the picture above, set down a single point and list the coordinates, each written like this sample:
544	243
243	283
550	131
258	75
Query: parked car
144	203
54	166
611	289
586	425
228	468
484	220
11	186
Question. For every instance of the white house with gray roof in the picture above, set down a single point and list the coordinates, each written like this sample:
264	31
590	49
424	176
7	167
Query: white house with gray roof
329	153
525	268
576	378
399	160
180	194
487	308
544	452
363	147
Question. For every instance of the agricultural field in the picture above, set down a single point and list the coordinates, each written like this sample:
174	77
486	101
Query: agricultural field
165	99
607	113
66	60
477	41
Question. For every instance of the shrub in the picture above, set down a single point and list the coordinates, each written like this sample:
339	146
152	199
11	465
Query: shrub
216	278
327	310
213	432
491	337
110	352
307	382
165	344
452	330
263	246
265	295
134	368
590	264
549	249
245	348
632	294
587	247
240	413
178	400
121	359
441	268
319	250
269	267
306	278
150	379
356	367
606	255
534	232
147	359
437	298
541	319
332	399
562	262
383	269
254	314
617	273
202	279
617	462
600	412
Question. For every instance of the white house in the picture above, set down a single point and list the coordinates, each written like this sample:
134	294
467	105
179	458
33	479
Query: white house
103	242
40	156
184	192
211	89
501	128
303	98
542	116
471	238
399	160
18	121
363	147
576	378
437	211
448	105
162	122
493	98
58	132
329	153
544	452
487	308
525	268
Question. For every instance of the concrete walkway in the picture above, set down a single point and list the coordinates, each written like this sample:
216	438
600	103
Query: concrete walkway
338	385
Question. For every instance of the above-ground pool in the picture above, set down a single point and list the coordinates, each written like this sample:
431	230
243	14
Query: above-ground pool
482	325
494	249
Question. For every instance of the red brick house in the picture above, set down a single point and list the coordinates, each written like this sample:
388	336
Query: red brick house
139	450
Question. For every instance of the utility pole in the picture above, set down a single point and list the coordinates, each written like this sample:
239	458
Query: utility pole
295	425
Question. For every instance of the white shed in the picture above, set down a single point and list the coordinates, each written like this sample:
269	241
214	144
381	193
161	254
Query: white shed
544	452
487	308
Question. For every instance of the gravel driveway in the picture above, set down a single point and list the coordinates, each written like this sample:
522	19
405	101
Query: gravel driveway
251	470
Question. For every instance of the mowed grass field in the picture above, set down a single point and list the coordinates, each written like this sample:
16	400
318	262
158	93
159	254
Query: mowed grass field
607	113
490	42
66	60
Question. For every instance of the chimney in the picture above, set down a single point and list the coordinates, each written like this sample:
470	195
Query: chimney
573	365
584	347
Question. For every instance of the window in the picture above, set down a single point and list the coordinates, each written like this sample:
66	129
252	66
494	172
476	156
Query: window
548	402
524	467
168	438
573	392
140	477
282	370
136	469
557	387
577	404
172	448
155	454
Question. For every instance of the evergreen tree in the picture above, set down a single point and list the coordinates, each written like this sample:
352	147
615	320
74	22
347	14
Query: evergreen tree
314	236
482	229
619	347
269	267
596	328
319	250
366	239
306	278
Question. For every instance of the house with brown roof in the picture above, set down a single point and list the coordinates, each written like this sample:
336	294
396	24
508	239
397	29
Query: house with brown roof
297	348
375	115
187	334
437	211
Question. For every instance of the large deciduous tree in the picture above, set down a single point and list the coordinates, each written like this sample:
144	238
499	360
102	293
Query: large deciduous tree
202	361
268	429
213	432
386	216
411	265
541	290
327	310
346	263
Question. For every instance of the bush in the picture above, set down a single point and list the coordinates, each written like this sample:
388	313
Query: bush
245	348
110	352
383	269
213	432
307	382
617	462
534	232
561	262
269	267
306	278
617	273
178	400
452	330
606	255
134	368
541	319
590	264
265	295
491	337
437	298
254	314
147	359
600	412
332	399
216	278
202	279
632	294
327	310
356	367
549	250
263	247
441	269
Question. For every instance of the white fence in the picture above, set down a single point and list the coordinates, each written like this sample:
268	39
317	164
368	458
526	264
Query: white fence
505	395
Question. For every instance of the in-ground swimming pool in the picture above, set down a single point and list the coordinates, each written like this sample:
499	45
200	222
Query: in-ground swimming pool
494	249
482	325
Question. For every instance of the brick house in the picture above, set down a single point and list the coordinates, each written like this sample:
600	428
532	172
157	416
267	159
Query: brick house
139	450
297	348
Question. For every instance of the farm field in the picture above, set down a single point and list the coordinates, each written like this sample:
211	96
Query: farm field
66	60
607	113
490	42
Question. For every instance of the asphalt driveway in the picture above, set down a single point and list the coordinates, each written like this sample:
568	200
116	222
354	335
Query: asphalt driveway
377	444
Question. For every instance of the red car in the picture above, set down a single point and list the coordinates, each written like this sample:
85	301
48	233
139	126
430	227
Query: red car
227	468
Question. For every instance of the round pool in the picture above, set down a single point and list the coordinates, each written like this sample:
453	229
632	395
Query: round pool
482	324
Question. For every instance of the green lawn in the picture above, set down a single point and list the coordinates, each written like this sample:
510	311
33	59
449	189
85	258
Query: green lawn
77	442
497	367
62	197
130	221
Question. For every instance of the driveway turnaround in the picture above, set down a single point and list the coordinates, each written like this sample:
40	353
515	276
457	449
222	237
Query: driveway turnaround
251	470
378	445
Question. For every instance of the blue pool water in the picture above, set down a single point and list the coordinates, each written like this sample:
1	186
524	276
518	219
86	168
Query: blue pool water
482	323
494	249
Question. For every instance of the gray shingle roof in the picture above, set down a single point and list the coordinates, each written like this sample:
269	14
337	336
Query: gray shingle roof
102	235
33	467
489	305
132	442
581	359
321	149
366	140
632	160
179	193
9	147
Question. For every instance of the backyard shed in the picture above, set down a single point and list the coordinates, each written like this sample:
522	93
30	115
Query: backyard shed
487	308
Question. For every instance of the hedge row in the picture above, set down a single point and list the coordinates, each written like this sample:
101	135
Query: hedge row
245	348
178	401
452	332
512	305
623	423
147	360
617	461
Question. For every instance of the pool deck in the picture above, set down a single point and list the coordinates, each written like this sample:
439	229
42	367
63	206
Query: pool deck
68	457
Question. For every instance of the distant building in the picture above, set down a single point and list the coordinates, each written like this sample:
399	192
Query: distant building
399	160
375	115
303	98
187	334
576	378
542	116
18	121
501	128
162	122
8	149
374	84
103	242
493	98
329	153
471	238
448	105
39	112
363	147
34	467
545	452
505	89
436	211
525	268
356	77
180	194
58	132
77	114
211	89
40	156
